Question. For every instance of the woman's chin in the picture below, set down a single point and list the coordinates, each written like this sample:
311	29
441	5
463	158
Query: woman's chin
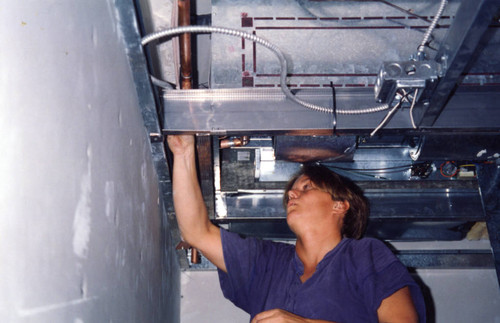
291	219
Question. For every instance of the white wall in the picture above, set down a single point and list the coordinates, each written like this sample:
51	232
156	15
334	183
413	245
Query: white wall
80	222
462	295
458	296
202	300
452	295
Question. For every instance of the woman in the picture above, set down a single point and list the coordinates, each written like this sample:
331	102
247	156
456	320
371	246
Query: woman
330	275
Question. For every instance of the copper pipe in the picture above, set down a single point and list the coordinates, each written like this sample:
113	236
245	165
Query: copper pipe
234	142
186	70
185	45
195	256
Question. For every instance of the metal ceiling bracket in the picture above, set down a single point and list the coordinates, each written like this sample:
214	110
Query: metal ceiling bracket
465	34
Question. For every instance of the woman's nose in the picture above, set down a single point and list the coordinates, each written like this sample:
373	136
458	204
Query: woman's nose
292	194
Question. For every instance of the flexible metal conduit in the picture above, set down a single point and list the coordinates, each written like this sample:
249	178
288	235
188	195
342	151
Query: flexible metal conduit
233	32
431	28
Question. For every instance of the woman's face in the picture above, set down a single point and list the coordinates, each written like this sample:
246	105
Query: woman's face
307	204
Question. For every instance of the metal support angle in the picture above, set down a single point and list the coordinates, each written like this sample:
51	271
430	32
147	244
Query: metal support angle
446	259
260	110
419	259
225	111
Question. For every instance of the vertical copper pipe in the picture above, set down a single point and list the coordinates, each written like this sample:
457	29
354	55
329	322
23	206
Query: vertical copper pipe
185	44
186	70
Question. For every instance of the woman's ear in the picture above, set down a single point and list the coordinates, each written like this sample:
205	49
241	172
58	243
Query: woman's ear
341	206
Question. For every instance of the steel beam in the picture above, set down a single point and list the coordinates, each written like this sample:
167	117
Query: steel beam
464	36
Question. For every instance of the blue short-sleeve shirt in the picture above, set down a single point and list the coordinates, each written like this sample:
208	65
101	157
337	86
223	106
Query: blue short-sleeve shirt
348	285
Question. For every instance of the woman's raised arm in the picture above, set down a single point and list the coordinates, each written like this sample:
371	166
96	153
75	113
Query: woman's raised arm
190	209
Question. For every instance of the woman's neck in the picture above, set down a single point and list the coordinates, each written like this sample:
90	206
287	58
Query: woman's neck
311	250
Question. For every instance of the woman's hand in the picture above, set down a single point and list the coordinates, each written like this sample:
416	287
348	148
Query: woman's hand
281	316
278	316
181	144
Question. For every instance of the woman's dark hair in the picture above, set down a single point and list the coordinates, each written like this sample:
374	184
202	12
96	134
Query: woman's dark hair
341	189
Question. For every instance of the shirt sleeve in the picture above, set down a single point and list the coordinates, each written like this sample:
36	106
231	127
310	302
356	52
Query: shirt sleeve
382	274
241	257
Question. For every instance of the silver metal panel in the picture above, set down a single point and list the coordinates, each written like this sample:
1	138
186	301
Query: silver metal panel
277	171
257	205
464	205
455	202
343	42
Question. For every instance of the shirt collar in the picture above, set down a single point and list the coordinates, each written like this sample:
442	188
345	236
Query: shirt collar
299	266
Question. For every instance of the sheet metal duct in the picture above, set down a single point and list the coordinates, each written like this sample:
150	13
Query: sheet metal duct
314	148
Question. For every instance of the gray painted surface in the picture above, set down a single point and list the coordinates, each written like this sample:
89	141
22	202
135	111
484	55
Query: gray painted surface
81	230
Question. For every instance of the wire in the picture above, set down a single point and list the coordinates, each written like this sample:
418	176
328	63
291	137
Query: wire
366	171
161	83
283	64
411	108
334	108
372	169
402	10
467	165
408	12
384	170
387	117
368	175
355	172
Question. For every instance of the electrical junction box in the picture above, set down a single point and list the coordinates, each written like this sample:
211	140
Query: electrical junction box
406	75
